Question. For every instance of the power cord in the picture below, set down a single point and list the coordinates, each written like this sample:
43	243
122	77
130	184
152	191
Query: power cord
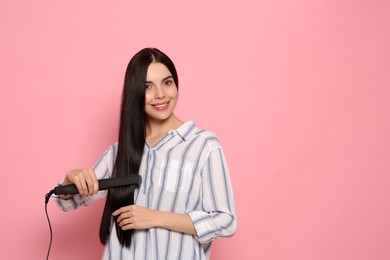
47	198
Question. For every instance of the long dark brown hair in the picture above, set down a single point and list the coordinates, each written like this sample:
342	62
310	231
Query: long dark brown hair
131	139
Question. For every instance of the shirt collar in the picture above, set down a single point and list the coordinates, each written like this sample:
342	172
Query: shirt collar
186	130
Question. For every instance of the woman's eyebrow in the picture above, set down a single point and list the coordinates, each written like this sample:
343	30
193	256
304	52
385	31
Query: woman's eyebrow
168	77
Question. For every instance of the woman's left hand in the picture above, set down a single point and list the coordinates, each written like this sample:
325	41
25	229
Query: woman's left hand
136	217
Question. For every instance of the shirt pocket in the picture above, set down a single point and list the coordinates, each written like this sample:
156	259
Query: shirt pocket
175	175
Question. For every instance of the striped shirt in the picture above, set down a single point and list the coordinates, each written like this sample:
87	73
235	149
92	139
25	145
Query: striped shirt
185	172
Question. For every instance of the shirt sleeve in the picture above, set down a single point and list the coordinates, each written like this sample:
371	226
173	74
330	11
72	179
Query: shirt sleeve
218	217
103	169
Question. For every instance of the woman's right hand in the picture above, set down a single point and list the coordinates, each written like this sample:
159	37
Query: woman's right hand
85	181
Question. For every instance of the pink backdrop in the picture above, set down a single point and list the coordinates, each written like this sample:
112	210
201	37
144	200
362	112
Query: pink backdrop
297	91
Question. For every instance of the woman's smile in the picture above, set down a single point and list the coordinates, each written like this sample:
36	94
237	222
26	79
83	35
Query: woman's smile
161	105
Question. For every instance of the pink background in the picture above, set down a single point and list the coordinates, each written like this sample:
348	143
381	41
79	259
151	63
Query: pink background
297	91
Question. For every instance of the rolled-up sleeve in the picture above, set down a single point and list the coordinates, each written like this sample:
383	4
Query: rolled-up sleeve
218	217
103	169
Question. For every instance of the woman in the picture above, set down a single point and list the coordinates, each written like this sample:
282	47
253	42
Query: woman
185	199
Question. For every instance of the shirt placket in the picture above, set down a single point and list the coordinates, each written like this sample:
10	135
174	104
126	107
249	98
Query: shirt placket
151	160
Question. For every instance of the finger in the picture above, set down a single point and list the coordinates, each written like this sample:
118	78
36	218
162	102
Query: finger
126	224
89	181
81	185
121	210
117	212
123	222
123	216
94	180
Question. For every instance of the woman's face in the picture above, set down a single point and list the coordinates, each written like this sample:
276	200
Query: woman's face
160	92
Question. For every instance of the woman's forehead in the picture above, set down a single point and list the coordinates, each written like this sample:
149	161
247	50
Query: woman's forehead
157	71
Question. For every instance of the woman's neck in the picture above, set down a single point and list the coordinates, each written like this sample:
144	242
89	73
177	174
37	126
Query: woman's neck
157	129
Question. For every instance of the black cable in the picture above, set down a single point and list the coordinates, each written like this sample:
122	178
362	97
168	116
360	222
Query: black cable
47	197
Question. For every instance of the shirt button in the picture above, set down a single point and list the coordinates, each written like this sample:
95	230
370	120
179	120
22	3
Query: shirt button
146	170
171	133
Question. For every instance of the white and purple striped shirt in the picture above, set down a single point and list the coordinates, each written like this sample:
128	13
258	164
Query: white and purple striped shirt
185	172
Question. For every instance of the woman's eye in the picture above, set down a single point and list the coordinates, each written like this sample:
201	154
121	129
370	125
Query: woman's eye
147	86
168	82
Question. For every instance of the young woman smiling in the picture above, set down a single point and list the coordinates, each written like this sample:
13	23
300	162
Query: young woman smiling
185	199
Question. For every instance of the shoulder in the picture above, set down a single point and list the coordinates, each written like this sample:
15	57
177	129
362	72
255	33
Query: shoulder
201	135
106	161
110	152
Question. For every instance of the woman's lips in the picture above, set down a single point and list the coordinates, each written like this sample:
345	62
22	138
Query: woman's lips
161	106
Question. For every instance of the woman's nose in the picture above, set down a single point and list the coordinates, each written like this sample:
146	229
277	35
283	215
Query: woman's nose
159	92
